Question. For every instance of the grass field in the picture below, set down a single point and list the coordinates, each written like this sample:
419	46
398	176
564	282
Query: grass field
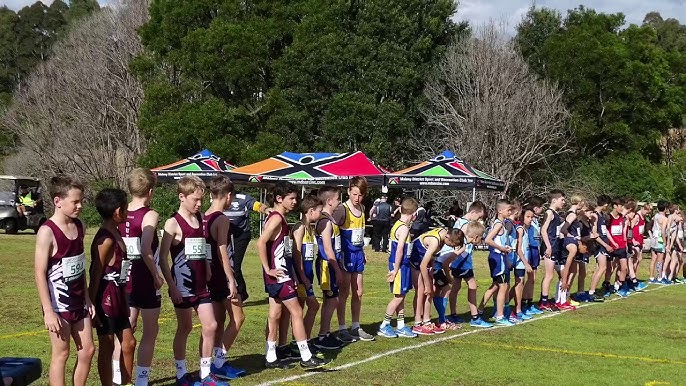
640	340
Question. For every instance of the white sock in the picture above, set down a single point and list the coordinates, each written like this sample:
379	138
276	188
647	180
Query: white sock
652	278
305	353
205	367
384	323
142	375
557	295
219	357
616	285
181	368
401	323
591	292
342	327
355	325
116	372
271	351
563	297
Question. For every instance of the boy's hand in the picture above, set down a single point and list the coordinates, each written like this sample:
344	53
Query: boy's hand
175	294
609	248
233	289
159	282
306	283
52	322
529	269
91	308
277	273
390	276
428	290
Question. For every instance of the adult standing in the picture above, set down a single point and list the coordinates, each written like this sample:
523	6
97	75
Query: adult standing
381	225
239	231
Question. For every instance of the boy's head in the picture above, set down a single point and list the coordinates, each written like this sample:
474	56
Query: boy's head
576	199
67	195
556	198
673	209
618	204
454	238
536	203
409	206
662	205
285	194
630	206
357	189
647	208
473	232
603	201
477	210
527	215
504	208
191	190
330	196
141	182
220	187
311	207
112	204
587	245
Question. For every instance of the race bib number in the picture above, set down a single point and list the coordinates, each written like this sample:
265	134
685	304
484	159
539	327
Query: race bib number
603	230
616	230
308	251
357	237
557	230
208	250
409	245
125	269
641	229
133	247
288	247
73	267
195	248
337	243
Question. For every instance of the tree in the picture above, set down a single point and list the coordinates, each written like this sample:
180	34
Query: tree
487	105
79	9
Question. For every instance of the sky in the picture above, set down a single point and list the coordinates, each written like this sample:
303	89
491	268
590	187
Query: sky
511	11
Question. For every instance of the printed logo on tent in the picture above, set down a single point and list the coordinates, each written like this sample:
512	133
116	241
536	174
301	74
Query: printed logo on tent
394	181
255	179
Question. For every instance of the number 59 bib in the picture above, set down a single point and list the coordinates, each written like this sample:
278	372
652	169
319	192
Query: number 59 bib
73	267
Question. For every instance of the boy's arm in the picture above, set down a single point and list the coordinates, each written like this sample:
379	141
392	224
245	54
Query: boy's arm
401	235
568	222
327	234
544	233
42	255
221	229
491	235
171	228
298	253
432	246
600	240
149	226
101	254
271	229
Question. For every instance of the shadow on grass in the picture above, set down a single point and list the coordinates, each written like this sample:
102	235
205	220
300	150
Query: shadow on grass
259	302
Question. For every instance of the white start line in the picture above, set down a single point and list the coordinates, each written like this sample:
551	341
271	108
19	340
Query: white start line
434	341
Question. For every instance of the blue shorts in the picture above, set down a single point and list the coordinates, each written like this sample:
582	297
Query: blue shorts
569	241
497	264
403	280
519	272
535	257
462	273
282	291
556	246
619	254
352	261
327	279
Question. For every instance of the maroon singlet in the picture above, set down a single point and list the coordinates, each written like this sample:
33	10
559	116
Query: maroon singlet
66	270
111	297
189	272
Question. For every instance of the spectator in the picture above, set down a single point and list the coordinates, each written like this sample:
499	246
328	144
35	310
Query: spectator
382	225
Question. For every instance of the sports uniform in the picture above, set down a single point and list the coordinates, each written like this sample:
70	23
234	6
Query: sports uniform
462	267
637	232
352	238
66	274
418	248
217	285
659	242
110	303
553	232
140	286
534	236
402	283
496	259
616	227
307	257
282	287
190	264
602	233
518	263
325	274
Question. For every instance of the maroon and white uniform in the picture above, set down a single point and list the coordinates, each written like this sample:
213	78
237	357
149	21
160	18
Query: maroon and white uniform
190	264
140	287
111	298
218	286
66	274
278	257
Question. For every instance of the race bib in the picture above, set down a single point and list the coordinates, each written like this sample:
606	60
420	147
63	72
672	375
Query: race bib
537	233
73	267
630	234
357	237
557	230
195	248
337	243
616	230
308	251
641	229
133	247
208	250
603	230
125	268
409	245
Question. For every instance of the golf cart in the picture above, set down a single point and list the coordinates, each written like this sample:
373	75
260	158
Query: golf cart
13	216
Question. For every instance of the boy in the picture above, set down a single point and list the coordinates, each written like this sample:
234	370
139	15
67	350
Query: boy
139	233
60	277
635	225
639	234
328	254
567	266
658	244
604	246
303	255
550	232
522	264
222	284
108	272
462	268
499	264
534	235
399	272
351	217
279	285
618	226
184	238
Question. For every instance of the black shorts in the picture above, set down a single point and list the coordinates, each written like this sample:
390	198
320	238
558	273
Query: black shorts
619	254
462	273
519	272
193	301
503	278
440	280
144	302
111	326
582	258
282	291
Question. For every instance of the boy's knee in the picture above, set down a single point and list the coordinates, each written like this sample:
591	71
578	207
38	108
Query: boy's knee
184	328
129	345
60	355
86	352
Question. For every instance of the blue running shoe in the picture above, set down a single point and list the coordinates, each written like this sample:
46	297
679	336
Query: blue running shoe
641	286
405	332
533	310
623	293
211	380
455	319
227	371
607	294
653	281
480	323
524	316
515	319
186	380
503	322
665	281
387	332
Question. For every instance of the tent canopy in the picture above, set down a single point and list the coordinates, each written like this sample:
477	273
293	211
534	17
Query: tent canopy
204	164
445	171
310	169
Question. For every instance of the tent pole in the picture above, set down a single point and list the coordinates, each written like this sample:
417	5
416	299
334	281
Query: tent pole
474	194
263	199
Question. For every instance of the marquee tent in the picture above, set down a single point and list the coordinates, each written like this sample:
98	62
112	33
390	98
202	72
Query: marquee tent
204	164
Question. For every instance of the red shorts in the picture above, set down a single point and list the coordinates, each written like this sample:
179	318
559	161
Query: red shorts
282	291
75	316
194	301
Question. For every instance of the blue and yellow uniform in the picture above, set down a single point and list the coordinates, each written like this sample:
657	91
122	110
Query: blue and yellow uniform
402	283
463	267
307	257
325	274
352	237
496	258
418	248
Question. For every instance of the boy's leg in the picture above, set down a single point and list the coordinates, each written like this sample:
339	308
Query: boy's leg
82	333
502	289
218	350
128	349
235	309
284	323
116	365
343	294
208	325
146	347
59	343
273	319
310	314
184	325
454	291
601	267
519	290
105	349
471	296
329	306
357	287
549	265
419	302
653	263
581	279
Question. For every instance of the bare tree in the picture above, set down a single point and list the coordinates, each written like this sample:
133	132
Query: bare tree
487	106
77	112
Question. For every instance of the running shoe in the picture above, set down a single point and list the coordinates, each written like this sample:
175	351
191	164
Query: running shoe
640	286
286	353
503	322
533	310
524	316
653	281
387	332
436	329
314	363
360	334
596	298
545	307
345	336
514	319
227	371
422	330
455	319
278	364
328	342
565	306
211	380
623	293
186	380
448	325
480	323
573	303
666	281
405	332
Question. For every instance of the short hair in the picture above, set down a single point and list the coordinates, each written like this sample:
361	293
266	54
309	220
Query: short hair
527	208
310	202
535	201
662	205
603	200
502	202
282	189
360	183
221	185
409	205
141	181
618	201
576	199
648	206
327	192
555	193
108	200
590	244
631	205
477	206
61	185
190	184
673	208
456	236
474	228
